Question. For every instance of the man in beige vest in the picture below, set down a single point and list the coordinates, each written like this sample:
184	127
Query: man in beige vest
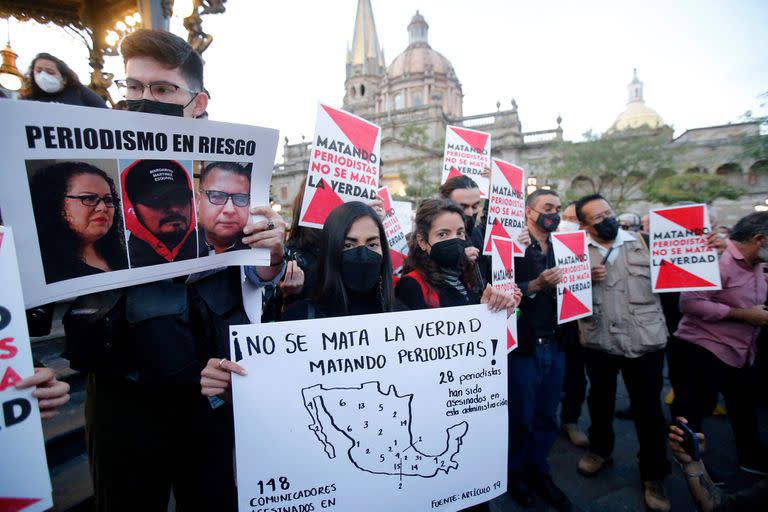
626	333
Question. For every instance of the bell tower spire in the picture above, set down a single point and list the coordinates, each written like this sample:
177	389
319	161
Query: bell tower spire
365	63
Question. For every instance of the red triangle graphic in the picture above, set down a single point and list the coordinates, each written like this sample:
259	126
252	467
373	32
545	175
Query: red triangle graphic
513	175
324	200
360	133
454	172
672	276
503	247
573	241
16	504
497	230
689	217
386	198
517	249
571	306
511	342
475	140
397	258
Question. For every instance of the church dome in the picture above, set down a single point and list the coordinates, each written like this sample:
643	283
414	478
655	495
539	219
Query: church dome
636	114
419	58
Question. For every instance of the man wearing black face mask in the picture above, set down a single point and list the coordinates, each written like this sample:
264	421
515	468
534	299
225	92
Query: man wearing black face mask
537	366
626	333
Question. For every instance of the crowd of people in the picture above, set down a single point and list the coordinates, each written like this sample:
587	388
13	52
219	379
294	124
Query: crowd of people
159	413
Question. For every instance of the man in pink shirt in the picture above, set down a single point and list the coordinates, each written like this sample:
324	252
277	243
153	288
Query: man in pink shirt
715	344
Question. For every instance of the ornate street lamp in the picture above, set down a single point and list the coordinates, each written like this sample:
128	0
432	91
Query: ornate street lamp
10	78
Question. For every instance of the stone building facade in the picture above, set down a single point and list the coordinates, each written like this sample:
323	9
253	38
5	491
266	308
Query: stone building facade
418	94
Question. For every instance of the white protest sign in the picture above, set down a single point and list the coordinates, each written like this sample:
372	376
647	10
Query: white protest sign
503	277
397	411
574	291
680	258
404	213
103	199
506	205
343	167
467	153
24	481
398	245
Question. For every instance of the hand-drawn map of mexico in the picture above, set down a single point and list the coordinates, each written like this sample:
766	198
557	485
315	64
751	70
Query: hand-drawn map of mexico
399	411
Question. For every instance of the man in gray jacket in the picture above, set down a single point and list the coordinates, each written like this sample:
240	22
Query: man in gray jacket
626	333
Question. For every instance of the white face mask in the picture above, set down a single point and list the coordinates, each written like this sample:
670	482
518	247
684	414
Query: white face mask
566	225
48	83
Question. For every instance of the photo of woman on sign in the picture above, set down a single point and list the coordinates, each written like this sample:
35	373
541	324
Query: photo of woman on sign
79	227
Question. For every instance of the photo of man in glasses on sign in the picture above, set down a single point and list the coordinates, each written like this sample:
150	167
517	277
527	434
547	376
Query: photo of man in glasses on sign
159	212
223	200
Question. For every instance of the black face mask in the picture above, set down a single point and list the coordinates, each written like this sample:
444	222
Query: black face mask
360	268
607	229
448	253
155	107
469	223
548	221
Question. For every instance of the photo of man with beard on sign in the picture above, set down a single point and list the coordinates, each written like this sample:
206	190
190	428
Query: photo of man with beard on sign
159	212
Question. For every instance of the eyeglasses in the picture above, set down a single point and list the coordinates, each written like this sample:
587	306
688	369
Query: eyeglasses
597	219
219	198
163	91
93	200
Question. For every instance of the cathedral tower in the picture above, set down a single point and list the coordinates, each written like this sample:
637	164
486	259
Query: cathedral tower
365	63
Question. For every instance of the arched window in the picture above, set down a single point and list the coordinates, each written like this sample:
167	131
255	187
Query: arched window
758	174
398	101
362	90
732	173
352	92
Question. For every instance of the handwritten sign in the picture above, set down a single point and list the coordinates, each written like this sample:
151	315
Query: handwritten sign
398	411
503	276
467	153
344	165
680	258
574	291
398	244
102	199
24	481
506	208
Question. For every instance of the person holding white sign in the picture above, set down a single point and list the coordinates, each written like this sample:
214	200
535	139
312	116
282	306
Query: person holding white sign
626	333
714	347
536	368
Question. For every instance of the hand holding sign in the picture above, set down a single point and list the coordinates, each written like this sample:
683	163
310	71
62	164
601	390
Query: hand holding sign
599	272
50	393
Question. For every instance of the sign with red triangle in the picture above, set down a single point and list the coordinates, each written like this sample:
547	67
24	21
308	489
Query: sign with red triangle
511	333
24	469
503	278
680	258
16	504
343	165
574	291
398	244
506	205
467	153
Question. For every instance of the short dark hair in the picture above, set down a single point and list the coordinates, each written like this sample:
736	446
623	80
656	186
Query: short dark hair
233	167
581	202
456	183
536	194
756	223
31	90
167	49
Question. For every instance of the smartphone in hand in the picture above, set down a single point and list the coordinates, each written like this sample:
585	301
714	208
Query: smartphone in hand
690	441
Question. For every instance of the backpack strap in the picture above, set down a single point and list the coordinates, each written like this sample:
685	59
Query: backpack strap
431	298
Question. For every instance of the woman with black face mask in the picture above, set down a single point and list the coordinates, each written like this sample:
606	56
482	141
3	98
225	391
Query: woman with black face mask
437	271
354	272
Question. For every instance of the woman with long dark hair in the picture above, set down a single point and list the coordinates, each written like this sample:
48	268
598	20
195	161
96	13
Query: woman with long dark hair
78	220
438	272
50	79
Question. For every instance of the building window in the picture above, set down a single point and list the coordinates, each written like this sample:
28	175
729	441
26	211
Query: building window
417	101
398	102
283	193
362	90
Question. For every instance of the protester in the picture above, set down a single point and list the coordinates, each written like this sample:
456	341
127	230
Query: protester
574	379
629	222
705	493
149	430
79	226
159	212
535	368
50	79
715	344
463	191
438	272
626	333
303	249
223	200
